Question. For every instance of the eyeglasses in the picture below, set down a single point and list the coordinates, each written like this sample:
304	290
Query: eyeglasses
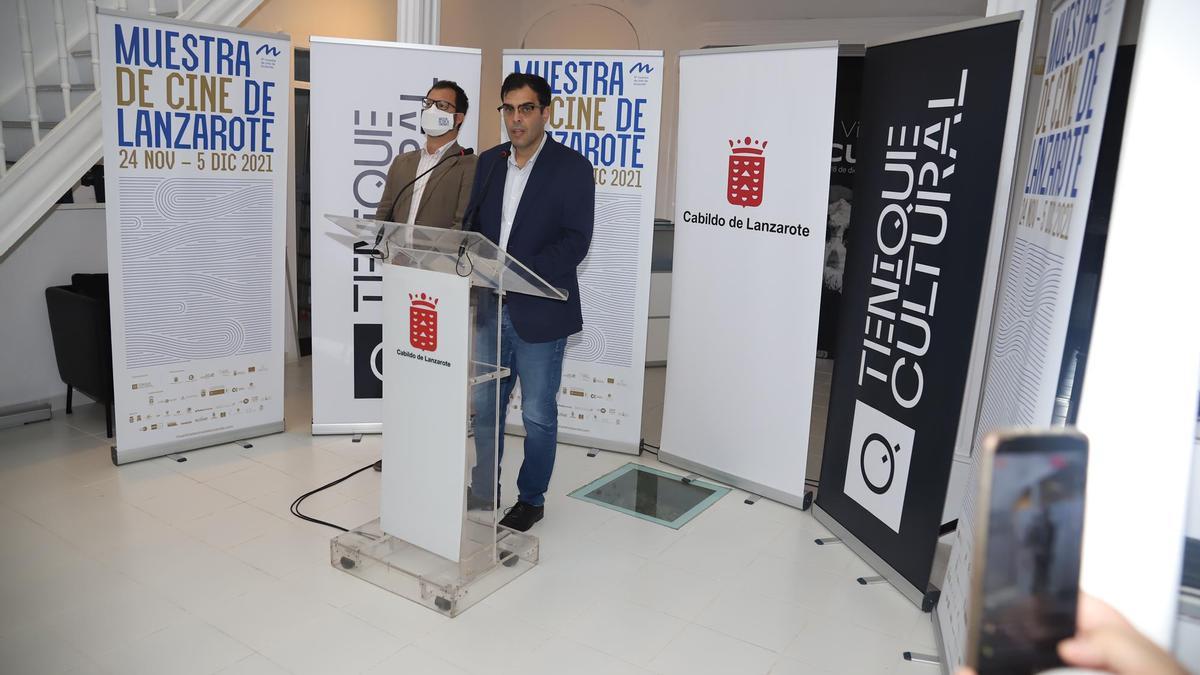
444	106
526	109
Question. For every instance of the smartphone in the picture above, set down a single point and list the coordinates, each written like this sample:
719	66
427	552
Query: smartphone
1029	535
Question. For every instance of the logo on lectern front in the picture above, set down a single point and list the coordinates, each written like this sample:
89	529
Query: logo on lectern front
746	172
423	322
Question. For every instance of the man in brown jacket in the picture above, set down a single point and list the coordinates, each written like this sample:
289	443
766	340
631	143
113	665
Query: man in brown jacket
439	198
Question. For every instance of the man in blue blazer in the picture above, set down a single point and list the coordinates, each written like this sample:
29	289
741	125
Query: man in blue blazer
535	198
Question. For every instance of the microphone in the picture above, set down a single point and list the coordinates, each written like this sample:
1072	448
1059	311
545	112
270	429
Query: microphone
473	212
461	153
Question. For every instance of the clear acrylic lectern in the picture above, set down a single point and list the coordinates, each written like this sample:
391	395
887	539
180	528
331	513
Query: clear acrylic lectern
443	293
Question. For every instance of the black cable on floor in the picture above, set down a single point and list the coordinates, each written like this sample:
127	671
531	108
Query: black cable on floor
296	504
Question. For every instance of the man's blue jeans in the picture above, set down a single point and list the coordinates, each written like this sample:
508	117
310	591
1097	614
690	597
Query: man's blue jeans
538	366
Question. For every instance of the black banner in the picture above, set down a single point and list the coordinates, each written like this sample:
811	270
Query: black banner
368	360
841	197
933	117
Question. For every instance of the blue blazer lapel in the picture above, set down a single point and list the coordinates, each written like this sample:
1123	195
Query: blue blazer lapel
491	206
543	168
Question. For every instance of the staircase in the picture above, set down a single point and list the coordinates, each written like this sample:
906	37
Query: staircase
50	129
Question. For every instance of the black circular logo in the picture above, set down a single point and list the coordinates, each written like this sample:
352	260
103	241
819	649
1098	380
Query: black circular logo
878	463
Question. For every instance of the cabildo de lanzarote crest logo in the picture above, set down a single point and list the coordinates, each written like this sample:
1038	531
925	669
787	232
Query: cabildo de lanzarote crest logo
423	322
746	171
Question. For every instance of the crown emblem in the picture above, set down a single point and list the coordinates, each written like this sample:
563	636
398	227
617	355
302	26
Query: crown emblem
747	146
423	301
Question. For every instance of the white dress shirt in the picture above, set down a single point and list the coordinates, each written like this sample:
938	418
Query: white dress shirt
426	163
514	187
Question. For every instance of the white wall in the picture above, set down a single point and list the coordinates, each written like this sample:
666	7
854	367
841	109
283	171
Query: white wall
361	19
70	239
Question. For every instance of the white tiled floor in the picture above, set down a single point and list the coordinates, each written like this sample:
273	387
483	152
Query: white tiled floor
197	567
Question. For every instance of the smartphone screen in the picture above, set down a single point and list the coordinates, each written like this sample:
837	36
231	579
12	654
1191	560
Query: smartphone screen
1030	584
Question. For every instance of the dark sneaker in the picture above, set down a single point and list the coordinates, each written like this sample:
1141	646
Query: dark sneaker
475	503
522	516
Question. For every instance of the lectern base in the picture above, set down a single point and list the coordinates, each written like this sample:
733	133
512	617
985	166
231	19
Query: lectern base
444	586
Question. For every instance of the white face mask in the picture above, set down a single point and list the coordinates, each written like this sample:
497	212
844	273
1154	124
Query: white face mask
435	122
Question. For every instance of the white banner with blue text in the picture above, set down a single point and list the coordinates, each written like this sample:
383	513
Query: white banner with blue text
195	122
606	106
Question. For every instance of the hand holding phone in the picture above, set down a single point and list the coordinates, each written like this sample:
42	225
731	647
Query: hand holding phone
1026	614
1107	643
1025	574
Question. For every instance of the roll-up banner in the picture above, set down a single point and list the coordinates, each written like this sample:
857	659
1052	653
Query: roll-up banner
606	106
366	110
843	160
752	190
1049	218
1051	213
195	122
934	111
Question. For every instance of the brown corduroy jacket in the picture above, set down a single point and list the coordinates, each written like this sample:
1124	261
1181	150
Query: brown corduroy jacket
444	199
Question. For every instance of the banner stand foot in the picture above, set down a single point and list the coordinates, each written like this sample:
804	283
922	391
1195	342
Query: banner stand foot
751	499
357	438
825	541
917	657
930	600
246	445
592	452
18	415
869	581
